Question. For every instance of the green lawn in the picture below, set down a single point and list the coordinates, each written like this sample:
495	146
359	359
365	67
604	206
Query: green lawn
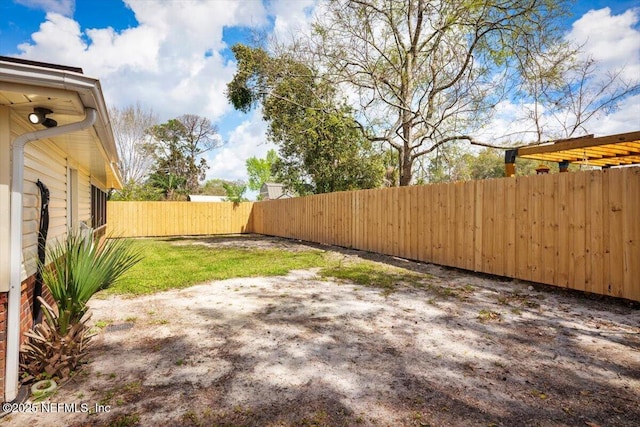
178	264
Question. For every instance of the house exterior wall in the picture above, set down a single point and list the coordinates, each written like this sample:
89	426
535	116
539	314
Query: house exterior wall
84	197
48	165
43	160
5	197
5	194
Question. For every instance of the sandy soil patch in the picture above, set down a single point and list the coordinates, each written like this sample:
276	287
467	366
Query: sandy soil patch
301	350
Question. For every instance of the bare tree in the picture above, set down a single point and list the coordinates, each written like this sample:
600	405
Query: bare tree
427	73
565	105
130	125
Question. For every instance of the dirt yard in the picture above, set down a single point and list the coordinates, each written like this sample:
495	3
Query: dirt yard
297	350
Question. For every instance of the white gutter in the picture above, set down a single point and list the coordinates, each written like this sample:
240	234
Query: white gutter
87	88
15	239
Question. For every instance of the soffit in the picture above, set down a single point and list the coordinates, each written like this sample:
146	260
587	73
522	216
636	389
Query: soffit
84	146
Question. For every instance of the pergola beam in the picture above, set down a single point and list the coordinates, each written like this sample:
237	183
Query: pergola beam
580	143
611	150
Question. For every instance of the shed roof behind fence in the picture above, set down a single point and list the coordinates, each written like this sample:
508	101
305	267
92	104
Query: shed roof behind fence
205	198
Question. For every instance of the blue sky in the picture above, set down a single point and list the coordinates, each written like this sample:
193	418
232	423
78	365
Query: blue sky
173	56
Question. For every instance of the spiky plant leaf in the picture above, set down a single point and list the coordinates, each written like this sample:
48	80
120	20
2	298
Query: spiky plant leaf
80	267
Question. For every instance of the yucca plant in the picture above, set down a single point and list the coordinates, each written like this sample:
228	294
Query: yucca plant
47	351
79	268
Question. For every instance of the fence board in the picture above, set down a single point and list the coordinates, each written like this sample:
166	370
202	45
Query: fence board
425	205
631	233
579	237
577	230
593	231
510	224
616	221
468	224
550	230
143	219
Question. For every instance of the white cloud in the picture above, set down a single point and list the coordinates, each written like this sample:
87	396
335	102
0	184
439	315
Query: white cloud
63	7
612	40
625	119
291	17
246	140
509	124
171	60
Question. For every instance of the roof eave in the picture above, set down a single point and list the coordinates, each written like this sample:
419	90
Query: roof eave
89	92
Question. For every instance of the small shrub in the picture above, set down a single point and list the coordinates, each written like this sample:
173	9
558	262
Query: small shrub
79	268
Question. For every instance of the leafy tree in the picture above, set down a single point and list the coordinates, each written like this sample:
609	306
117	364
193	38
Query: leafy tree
235	191
426	73
139	192
456	163
214	187
450	163
488	163
324	152
321	148
178	146
260	170
172	186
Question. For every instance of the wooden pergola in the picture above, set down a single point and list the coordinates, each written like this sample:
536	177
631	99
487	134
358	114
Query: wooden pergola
605	151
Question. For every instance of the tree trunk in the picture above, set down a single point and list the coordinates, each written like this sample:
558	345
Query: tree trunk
405	174
406	166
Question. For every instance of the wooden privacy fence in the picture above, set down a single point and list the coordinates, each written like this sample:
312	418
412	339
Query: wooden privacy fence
142	219
575	230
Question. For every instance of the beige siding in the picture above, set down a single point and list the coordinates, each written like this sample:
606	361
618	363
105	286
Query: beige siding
84	197
45	162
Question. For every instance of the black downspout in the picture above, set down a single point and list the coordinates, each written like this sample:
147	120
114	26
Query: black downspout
42	244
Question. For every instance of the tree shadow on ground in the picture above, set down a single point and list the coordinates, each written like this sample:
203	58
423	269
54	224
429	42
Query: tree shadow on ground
304	358
303	351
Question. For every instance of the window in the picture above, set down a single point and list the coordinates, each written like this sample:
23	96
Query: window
98	207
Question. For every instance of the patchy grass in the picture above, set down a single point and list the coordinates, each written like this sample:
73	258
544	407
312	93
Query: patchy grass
103	323
519	301
166	265
373	274
125	420
488	315
123	393
169	265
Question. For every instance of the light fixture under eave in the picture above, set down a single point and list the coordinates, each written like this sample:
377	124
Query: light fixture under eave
39	116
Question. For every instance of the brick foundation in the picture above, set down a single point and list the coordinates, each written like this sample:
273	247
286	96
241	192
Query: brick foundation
3	338
26	322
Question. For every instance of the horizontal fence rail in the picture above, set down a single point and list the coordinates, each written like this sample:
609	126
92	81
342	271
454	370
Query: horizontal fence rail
574	230
146	219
